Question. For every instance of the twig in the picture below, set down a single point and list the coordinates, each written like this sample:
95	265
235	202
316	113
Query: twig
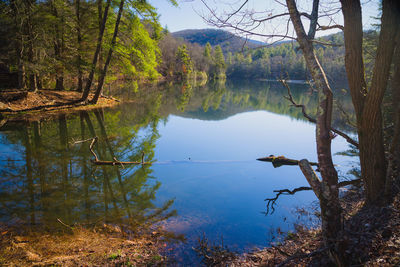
303	110
80	141
65	224
302	256
94	140
272	201
281	251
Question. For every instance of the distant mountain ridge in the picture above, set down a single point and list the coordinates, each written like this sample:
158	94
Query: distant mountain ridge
228	41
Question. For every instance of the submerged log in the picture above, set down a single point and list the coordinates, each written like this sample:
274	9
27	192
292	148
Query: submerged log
282	160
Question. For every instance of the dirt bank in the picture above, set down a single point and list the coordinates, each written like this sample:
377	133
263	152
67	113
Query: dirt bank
14	101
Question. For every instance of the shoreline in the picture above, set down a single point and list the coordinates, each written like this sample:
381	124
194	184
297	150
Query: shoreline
18	105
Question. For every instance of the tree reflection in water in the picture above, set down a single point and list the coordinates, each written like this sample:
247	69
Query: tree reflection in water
51	179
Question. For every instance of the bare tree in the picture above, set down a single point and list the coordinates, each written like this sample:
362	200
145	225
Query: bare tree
248	22
378	171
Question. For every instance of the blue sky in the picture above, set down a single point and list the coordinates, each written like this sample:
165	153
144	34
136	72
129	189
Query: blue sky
186	15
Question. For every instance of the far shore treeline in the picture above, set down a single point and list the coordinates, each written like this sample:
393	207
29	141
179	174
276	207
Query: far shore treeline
52	44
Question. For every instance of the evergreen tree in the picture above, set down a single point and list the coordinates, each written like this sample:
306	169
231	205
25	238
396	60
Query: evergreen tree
183	62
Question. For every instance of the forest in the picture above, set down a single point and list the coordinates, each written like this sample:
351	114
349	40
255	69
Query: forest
64	45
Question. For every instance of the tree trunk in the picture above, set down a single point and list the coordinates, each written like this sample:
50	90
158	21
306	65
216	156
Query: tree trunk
393	172
96	54
19	43
110	51
58	48
29	28
330	206
79	39
367	103
38	83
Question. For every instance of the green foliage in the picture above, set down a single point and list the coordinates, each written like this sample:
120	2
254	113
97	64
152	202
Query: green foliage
55	40
285	60
207	51
136	51
183	62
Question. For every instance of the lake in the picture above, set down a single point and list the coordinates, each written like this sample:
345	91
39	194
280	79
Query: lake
202	141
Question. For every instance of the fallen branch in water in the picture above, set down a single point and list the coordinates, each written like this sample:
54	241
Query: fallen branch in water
80	141
272	201
282	160
115	162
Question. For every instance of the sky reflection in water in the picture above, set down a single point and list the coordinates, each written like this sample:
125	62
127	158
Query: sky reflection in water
204	160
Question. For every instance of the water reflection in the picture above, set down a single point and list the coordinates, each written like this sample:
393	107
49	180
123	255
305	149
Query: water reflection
217	187
51	177
219	100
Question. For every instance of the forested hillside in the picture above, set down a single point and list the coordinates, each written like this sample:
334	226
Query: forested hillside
228	41
80	45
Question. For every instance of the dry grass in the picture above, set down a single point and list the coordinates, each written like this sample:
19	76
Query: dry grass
79	247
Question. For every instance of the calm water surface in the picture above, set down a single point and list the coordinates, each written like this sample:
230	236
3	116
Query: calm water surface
203	142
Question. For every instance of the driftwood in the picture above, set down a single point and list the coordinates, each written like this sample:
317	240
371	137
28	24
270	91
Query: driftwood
115	162
281	160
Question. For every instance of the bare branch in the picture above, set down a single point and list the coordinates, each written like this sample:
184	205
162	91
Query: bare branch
115	161
313	20
236	11
290	98
94	140
310	119
271	202
346	115
325	43
245	24
80	141
325	28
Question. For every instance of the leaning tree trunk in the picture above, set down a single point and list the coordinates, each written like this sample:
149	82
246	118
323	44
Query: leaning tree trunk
367	103
326	190
110	51
96	54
